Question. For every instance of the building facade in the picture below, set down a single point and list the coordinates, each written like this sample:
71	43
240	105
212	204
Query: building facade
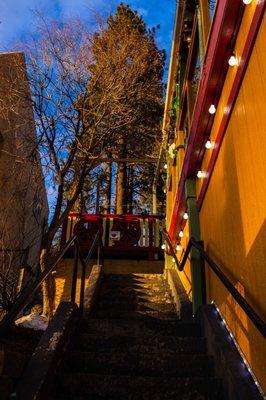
23	201
214	127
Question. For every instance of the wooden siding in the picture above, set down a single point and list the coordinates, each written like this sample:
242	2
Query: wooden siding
234	209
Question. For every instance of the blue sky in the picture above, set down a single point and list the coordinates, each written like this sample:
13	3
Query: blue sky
18	19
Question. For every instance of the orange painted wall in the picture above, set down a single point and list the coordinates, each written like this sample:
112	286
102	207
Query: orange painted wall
233	214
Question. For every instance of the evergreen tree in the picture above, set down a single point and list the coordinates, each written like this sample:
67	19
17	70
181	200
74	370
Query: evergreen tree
127	71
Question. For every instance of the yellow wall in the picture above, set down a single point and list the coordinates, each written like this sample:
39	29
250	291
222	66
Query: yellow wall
233	213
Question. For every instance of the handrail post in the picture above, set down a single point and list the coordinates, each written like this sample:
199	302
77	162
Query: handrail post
99	253
82	284
75	274
198	284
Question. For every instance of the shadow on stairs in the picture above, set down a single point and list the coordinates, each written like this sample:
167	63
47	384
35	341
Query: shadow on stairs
134	347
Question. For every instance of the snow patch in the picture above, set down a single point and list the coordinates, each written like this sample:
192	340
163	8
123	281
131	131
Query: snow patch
33	321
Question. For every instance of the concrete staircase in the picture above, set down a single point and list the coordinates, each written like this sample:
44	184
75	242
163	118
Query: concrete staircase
134	347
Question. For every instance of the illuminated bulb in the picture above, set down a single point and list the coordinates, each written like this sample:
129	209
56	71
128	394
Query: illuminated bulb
212	109
181	234
165	166
178	247
163	247
233	61
209	145
185	216
164	190
173	260
247	1
200	174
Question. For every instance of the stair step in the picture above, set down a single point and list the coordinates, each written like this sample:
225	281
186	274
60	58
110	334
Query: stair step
132	306
137	294
129	278
150	344
140	364
131	315
119	286
140	327
135	281
112	387
135	298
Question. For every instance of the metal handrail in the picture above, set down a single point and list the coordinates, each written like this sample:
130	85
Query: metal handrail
241	301
25	297
84	263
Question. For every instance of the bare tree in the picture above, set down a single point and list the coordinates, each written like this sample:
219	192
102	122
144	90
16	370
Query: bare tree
75	123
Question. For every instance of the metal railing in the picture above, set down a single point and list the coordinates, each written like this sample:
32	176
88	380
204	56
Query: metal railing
128	234
26	295
241	301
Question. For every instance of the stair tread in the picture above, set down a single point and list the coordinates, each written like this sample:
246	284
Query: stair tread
137	314
150	343
140	327
118	387
135	306
152	364
133	297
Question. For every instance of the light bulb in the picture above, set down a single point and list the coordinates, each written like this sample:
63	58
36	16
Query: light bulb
164	190
185	216
163	246
233	61
181	234
165	166
247	1
178	247
209	145
212	109
200	174
173	260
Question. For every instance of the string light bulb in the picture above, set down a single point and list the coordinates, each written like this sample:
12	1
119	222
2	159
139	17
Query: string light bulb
200	174
209	145
247	2
173	260
212	109
233	61
181	234
163	247
178	247
165	166
185	216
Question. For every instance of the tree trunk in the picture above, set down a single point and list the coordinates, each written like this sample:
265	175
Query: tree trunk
121	180
97	203
48	287
108	191
130	190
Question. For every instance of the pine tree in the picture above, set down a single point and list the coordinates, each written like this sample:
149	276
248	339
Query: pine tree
126	74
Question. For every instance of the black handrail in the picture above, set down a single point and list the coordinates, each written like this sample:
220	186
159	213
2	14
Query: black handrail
241	301
25	297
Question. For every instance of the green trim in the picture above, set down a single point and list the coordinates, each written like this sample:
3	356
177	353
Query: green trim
197	267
